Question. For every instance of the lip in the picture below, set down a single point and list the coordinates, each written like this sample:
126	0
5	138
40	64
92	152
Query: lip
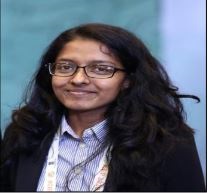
79	92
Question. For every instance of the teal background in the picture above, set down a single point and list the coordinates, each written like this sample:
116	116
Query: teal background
172	29
29	26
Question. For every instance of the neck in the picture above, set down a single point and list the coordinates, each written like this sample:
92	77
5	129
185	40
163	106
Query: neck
79	121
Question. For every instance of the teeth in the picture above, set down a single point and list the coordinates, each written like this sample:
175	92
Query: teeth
78	92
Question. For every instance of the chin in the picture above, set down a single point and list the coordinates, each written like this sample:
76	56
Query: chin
78	108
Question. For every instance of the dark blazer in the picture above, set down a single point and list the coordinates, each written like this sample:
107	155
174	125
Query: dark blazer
181	171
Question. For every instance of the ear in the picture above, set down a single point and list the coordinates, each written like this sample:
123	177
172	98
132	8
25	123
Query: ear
126	84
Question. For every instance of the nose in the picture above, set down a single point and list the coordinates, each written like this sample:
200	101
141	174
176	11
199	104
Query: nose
80	77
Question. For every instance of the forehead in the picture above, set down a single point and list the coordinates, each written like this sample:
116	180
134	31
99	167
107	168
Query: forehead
86	49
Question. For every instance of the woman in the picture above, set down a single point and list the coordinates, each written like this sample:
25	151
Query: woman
102	115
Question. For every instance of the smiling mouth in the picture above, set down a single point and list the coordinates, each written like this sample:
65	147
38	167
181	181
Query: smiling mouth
79	92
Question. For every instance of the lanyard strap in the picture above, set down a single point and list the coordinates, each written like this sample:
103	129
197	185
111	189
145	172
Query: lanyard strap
101	175
51	168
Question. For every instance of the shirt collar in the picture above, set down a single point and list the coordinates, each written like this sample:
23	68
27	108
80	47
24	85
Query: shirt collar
99	130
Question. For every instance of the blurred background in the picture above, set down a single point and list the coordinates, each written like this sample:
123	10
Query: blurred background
174	31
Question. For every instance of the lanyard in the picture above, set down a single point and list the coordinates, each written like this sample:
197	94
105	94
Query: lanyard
101	175
51	168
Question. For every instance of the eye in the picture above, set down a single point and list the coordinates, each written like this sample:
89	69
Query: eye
101	69
65	67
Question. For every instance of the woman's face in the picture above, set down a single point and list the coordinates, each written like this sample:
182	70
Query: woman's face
79	92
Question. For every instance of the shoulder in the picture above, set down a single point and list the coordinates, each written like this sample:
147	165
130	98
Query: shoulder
14	171
181	170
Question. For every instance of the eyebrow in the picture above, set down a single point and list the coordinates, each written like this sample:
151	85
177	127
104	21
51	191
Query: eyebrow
92	61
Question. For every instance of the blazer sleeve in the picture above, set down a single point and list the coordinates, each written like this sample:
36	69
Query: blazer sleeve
7	176
182	170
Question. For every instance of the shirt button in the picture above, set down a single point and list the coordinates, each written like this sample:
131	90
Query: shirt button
77	170
82	145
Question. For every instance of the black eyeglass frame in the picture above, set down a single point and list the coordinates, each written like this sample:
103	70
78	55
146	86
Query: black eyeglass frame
48	65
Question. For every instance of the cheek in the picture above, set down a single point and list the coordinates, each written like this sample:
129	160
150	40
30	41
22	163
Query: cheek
57	83
110	89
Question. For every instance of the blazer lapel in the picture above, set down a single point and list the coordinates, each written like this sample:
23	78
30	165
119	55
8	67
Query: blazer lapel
30	168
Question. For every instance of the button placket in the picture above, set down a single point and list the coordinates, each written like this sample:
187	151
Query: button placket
75	182
81	153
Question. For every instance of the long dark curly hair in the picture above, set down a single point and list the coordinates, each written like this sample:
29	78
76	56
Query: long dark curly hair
145	120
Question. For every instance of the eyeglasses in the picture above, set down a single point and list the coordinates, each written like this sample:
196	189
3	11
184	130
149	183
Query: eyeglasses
95	70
